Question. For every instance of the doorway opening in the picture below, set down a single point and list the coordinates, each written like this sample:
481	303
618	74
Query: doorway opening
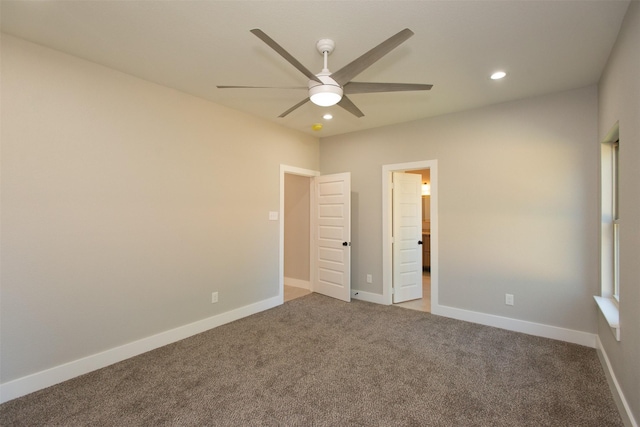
329	232
430	224
423	303
295	232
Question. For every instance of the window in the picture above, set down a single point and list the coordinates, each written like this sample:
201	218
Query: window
610	230
615	219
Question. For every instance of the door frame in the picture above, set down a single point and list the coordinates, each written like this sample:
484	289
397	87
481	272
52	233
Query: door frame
387	226
292	170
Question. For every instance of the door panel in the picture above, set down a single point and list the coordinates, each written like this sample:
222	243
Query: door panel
407	233
331	225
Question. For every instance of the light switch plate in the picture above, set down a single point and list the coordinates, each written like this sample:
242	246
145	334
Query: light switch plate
273	216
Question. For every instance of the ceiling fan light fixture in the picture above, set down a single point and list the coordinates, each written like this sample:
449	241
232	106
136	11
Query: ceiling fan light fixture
498	75
325	95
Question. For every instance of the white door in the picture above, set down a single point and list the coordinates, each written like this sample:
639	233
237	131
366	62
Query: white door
331	236
407	236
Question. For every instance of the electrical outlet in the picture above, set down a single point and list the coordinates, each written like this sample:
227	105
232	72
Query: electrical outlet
369	278
214	297
508	299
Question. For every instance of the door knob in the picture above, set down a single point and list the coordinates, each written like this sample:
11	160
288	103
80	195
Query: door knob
419	242
345	244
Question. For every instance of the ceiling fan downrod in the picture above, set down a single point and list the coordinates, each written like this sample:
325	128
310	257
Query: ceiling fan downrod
329	92
325	47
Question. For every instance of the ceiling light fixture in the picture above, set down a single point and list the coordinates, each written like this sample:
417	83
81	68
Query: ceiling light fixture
325	94
498	75
327	116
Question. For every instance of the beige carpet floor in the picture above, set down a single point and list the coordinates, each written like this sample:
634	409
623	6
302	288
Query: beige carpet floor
317	361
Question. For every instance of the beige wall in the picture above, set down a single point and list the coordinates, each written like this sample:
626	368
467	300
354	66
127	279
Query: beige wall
518	205
296	227
619	92
124	205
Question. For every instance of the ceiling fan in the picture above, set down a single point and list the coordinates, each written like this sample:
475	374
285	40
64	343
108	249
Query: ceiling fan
327	88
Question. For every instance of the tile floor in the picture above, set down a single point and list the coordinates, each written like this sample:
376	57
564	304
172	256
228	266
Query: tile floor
291	292
423	304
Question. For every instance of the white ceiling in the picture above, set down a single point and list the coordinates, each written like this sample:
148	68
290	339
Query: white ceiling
192	46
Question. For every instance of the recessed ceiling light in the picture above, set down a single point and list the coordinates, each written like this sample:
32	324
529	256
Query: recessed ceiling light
498	75
327	116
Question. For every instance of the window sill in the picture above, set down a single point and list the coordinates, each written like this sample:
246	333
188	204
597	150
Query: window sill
611	313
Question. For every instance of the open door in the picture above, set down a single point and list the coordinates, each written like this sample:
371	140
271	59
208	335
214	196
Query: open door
407	237
331	236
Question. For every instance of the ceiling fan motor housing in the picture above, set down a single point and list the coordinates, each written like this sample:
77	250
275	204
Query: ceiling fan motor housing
325	45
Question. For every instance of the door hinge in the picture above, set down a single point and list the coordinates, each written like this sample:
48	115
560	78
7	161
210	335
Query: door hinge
393	291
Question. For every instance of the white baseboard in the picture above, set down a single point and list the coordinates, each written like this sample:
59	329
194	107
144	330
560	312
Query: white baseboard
618	395
39	380
367	296
531	328
298	283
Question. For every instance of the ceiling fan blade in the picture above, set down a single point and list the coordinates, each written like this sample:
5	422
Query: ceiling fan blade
286	55
350	107
262	87
349	71
358	87
299	104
